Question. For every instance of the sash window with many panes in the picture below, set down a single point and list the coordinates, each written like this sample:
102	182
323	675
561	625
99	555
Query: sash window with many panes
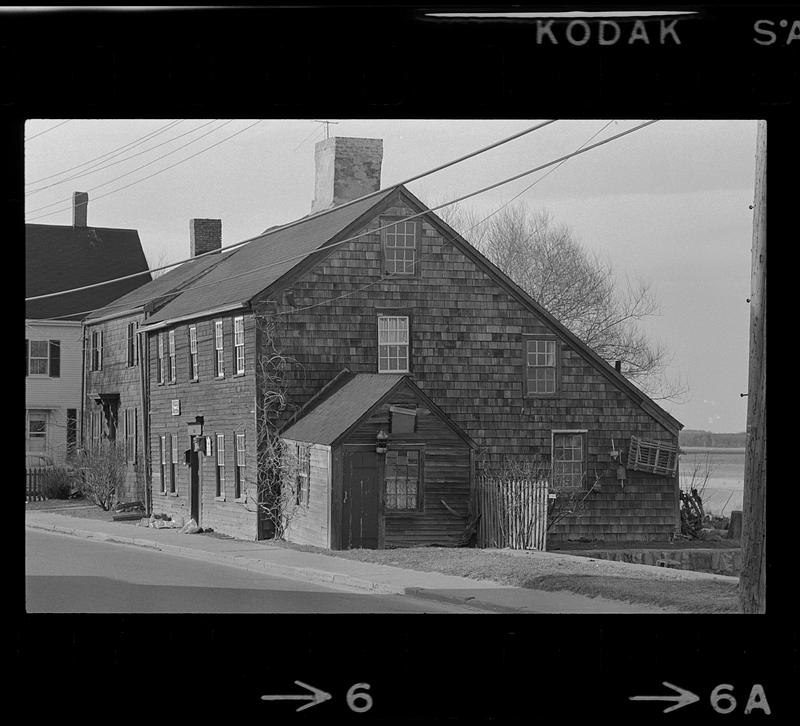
238	343
569	459
402	479
392	344
400	248
541	366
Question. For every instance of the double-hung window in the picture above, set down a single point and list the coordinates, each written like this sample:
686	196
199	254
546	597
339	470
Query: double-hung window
238	343
162	362
393	344
132	351
303	478
400	247
96	351
162	450
36	431
569	459
193	371
219	350
220	465
402	479
173	462
240	463
540	366
171	365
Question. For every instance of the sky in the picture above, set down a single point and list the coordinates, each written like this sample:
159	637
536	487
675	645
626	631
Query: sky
668	204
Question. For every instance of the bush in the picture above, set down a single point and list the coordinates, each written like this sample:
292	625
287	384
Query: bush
103	469
56	483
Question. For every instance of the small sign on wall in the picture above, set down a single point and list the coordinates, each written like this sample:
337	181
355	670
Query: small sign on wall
176	407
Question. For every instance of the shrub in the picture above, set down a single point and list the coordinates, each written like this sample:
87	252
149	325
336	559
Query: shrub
103	471
56	483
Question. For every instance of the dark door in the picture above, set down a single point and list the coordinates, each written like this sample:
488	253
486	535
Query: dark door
194	481
360	500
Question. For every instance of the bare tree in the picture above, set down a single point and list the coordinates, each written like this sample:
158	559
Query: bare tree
160	261
580	289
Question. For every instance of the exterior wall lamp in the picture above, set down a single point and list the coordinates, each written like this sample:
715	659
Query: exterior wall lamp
381	442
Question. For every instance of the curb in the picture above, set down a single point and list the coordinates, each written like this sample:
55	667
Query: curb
304	574
422	593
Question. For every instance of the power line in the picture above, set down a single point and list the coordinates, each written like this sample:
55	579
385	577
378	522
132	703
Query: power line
145	178
47	131
128	173
96	168
344	241
110	154
302	219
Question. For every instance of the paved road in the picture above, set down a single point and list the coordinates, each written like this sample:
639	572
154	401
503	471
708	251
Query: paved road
67	575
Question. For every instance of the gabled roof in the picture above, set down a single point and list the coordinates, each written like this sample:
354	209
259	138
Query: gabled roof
252	268
61	257
348	400
163	286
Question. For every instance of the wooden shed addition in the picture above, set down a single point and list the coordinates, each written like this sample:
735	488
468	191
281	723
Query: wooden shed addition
379	465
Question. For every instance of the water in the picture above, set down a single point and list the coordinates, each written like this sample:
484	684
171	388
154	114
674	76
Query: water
717	475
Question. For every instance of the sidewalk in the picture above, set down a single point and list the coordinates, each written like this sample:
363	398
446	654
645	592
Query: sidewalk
342	573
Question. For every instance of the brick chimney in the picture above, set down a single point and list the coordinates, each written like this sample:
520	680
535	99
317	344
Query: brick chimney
347	168
205	235
80	203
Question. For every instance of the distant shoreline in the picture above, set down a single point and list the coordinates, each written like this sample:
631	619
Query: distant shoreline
712	450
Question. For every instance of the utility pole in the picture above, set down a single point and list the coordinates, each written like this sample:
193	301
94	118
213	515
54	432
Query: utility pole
752	582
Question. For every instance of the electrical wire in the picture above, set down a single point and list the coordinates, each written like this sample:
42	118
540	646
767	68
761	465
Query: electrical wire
349	239
128	173
110	154
302	219
98	168
47	131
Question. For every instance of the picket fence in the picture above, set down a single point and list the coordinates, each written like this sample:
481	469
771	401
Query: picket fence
34	481
513	513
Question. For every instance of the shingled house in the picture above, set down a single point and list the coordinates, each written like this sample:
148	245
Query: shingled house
375	286
116	388
59	257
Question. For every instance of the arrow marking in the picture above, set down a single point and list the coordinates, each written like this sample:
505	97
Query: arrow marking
316	696
684	697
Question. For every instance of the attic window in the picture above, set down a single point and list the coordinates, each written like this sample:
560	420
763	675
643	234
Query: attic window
655	457
399	247
403	419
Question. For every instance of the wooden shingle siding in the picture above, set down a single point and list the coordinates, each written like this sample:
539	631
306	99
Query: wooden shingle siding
227	406
467	354
117	377
310	521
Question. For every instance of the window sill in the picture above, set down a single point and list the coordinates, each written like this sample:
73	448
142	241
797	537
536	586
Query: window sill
219	499
172	494
239	375
194	380
240	500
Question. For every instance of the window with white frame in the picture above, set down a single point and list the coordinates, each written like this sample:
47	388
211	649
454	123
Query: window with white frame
162	447
400	248
238	343
569	459
540	366
36	430
173	463
172	358
193	369
303	474
96	350
38	357
133	356
220	465
241	455
402	478
161	359
219	350
392	344
131	432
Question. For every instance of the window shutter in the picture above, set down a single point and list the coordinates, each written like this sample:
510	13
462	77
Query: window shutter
55	359
27	362
100	365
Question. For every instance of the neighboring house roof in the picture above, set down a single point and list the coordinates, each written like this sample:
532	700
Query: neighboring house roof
161	287
252	268
328	418
61	257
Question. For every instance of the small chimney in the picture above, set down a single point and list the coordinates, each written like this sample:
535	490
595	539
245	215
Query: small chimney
346	168
80	203
205	235
618	366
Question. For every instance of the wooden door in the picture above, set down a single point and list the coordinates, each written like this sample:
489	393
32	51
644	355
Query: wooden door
360	498
194	481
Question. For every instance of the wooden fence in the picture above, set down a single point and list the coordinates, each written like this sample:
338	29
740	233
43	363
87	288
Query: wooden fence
513	513
34	482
